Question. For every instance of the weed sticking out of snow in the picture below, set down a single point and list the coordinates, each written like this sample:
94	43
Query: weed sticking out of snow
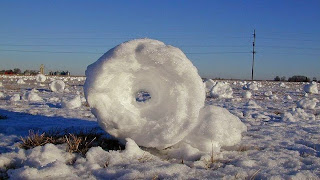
79	142
3	117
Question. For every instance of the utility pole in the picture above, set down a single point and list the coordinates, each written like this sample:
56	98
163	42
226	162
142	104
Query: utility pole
253	52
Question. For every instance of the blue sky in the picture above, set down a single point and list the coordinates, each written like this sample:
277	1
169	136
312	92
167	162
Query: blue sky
215	35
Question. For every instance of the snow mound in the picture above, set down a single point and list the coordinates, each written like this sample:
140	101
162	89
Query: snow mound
307	103
287	97
297	114
209	83
166	78
15	97
311	88
221	90
274	97
218	128
2	95
32	96
40	162
72	103
186	152
57	86
251	86
20	81
283	85
246	94
41	78
268	93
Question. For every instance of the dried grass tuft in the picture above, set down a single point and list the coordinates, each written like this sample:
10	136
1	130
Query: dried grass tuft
37	139
78	142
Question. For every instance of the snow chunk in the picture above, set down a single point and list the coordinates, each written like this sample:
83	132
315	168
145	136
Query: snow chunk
311	88
40	162
297	114
71	104
221	90
251	86
283	85
54	170
184	151
246	94
145	65
288	97
307	103
15	97
268	93
57	86
43	155
32	96
209	83
20	81
2	95
41	78
217	128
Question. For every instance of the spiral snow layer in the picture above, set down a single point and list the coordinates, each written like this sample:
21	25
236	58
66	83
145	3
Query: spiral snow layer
161	72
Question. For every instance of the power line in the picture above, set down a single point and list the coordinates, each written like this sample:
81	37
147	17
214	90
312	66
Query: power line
53	52
181	46
226	52
79	45
84	52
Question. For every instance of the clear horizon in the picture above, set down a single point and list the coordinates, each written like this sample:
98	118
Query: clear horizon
216	36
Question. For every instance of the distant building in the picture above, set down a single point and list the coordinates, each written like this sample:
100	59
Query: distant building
59	73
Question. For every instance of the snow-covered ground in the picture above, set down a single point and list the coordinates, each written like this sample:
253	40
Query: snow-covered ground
282	139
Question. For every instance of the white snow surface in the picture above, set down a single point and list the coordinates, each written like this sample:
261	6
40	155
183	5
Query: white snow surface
116	81
281	142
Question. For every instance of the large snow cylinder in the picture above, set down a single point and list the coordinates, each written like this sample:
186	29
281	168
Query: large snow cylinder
57	86
172	89
41	78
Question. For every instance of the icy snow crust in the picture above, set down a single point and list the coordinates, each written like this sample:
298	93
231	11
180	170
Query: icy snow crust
281	142
176	90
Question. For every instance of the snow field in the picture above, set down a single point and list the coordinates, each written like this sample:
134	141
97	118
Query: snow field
281	142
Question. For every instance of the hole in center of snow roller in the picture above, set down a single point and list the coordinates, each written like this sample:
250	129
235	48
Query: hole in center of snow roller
143	96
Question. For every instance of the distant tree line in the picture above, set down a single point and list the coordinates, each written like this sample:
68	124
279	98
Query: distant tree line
296	78
17	71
